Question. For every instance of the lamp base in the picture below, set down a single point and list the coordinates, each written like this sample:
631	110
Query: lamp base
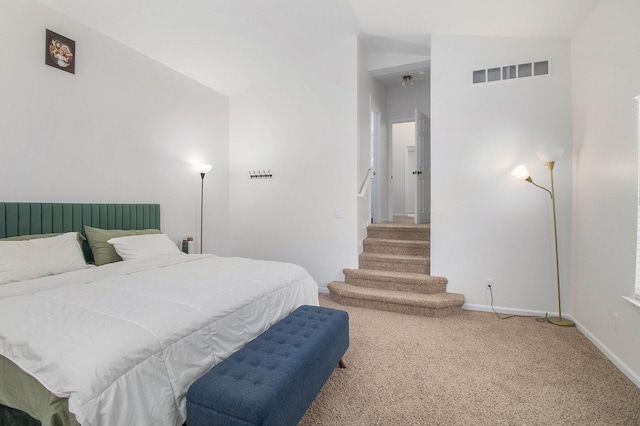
560	321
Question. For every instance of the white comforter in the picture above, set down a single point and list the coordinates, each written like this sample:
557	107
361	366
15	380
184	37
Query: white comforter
125	341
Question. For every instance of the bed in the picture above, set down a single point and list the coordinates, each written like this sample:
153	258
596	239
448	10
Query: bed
120	343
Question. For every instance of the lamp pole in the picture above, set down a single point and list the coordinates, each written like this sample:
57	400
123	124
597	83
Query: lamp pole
556	320
201	206
203	169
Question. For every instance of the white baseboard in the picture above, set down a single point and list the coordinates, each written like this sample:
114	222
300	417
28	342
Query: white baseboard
503	310
620	365
631	375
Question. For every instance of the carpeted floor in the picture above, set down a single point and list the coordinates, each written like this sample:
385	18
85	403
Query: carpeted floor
470	369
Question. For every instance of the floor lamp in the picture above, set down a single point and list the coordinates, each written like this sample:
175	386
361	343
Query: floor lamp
549	157
203	169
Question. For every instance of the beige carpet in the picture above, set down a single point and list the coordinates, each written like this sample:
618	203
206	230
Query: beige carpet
470	369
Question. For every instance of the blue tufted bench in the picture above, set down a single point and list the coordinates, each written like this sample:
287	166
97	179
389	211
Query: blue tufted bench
276	376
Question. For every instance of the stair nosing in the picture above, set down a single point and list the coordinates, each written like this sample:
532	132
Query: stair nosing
395	275
391	241
388	225
388	257
398	297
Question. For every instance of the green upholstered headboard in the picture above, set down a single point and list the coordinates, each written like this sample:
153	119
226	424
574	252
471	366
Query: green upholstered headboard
43	218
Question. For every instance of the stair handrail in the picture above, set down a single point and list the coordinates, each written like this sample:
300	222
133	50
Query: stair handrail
365	183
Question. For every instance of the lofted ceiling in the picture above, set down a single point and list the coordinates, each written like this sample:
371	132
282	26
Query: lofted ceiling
500	18
225	43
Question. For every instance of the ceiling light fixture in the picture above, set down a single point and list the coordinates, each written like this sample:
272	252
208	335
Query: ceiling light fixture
407	80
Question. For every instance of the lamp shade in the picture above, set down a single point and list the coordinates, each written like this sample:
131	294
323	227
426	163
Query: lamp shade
203	168
520	172
550	155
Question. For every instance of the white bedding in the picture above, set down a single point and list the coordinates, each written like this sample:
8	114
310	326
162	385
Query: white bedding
124	341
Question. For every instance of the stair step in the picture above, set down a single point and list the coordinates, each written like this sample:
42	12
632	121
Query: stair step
399	231
431	305
394	274
398	281
394	262
406	247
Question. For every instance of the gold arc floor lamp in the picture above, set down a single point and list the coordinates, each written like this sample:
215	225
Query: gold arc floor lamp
549	157
203	169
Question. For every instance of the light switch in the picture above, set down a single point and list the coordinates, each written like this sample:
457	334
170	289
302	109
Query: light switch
338	213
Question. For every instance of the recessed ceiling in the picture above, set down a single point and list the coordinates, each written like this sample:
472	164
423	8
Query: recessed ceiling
392	58
392	76
221	43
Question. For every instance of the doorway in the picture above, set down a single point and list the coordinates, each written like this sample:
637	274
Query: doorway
410	172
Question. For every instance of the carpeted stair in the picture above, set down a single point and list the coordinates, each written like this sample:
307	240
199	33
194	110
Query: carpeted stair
394	274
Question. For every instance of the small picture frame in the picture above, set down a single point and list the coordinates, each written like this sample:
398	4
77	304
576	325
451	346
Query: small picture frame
60	52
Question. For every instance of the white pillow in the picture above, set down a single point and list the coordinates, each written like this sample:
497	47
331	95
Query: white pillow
144	246
25	260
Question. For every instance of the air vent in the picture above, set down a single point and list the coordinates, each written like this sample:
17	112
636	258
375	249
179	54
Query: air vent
509	72
479	76
493	74
541	68
525	70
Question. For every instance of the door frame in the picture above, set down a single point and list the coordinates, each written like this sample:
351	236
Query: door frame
375	127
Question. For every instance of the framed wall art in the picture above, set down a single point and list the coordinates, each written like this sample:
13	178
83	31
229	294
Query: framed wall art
60	52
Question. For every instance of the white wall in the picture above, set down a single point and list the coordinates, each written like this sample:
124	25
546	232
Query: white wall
403	100
301	126
485	223
606	78
122	129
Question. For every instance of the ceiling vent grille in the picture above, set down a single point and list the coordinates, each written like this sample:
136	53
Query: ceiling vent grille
509	72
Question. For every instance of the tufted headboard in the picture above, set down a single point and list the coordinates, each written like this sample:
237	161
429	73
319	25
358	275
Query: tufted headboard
43	218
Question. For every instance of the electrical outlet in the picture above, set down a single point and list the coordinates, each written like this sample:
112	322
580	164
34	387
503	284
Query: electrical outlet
489	283
614	321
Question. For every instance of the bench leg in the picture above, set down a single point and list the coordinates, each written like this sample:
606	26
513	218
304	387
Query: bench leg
341	364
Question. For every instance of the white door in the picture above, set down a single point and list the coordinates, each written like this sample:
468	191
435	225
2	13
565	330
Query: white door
410	179
423	168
